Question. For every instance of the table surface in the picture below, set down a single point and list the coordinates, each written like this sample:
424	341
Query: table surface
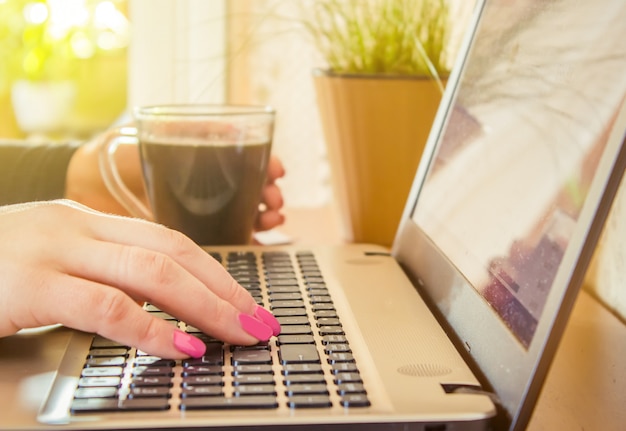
586	386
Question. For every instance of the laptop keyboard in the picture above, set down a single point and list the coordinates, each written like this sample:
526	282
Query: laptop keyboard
309	365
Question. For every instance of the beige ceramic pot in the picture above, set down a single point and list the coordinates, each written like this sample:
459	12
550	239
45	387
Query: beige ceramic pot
375	130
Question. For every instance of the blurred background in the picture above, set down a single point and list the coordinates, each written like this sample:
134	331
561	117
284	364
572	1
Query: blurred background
64	67
72	68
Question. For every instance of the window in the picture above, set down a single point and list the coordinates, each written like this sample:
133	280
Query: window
64	68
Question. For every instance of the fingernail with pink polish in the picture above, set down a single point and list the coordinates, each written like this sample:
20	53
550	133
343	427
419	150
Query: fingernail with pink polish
268	318
255	327
188	344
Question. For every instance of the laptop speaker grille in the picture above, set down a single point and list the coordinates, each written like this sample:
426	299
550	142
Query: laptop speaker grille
424	370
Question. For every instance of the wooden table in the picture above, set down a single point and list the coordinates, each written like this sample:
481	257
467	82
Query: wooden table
586	385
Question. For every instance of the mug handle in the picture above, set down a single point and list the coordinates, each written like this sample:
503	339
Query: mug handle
109	142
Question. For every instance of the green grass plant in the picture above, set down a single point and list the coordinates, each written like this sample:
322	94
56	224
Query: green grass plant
393	37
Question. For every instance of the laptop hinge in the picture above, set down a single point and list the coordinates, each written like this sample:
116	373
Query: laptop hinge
451	388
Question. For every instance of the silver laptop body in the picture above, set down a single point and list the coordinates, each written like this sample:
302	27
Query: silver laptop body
456	327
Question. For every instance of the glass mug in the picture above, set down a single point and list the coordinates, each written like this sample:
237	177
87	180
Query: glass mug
204	168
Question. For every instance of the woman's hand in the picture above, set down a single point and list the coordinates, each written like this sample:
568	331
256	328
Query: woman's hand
64	263
84	183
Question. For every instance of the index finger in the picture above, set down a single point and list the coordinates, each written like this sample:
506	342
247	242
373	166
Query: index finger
161	265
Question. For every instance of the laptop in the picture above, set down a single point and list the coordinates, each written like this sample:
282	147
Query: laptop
455	327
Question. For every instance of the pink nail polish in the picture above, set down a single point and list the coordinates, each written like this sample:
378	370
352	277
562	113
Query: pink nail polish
268	318
255	327
188	344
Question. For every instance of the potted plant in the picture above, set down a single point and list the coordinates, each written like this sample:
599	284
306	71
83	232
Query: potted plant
387	65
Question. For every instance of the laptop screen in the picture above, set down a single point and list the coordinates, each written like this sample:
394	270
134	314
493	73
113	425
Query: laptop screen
514	166
510	195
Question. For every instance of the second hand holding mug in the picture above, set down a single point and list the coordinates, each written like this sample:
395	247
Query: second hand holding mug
204	168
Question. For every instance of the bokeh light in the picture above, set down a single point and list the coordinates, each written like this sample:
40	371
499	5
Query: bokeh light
83	42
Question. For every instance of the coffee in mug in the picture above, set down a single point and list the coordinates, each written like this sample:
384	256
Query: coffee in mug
204	168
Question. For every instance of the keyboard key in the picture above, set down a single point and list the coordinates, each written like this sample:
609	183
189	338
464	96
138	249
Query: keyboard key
295	329
293	320
341	367
328	321
112	404
273	263
296	339
325	313
102	371
144	370
334	339
202	370
289	296
283	282
279	268
213	358
281	312
263	345
201	391
309	401
290	369
323	306
99	381
332	348
350	388
294	379
101	342
331	330
108	352
149	392
150	381
280	275
306	389
243	357
296	303
145	404
320	299
318	292
298	353
247	402
355	400
153	361
106	362
340	357
283	289
253	379
313	280
347	378
213	354
252	369
246	390
202	381
101	392
245	272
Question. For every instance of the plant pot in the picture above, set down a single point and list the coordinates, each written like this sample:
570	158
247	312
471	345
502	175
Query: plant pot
375	130
42	107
